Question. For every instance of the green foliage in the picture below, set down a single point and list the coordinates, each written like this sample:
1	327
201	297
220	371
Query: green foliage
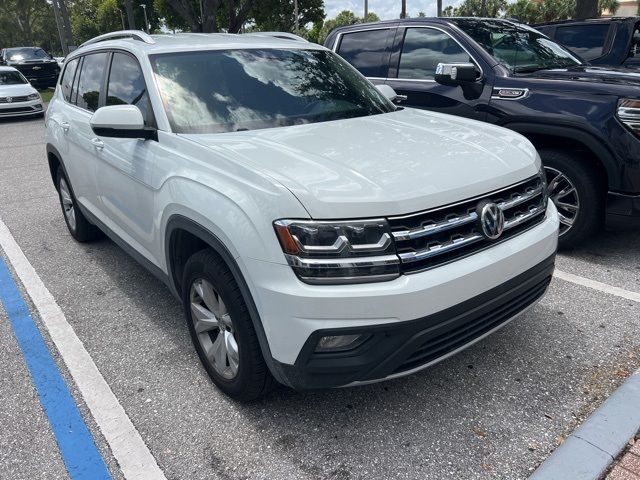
28	23
277	15
525	10
344	18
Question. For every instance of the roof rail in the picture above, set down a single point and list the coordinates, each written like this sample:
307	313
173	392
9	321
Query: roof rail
284	35
134	34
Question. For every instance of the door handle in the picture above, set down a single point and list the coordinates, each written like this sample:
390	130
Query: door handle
97	143
400	98
65	126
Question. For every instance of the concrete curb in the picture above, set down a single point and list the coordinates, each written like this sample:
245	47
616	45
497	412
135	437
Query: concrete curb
591	448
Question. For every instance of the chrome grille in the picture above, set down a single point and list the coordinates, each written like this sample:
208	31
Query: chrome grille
23	98
428	239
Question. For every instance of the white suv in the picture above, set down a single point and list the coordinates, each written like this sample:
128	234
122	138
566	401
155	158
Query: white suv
315	233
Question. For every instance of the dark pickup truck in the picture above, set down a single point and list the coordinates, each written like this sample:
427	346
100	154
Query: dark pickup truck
584	120
601	41
40	68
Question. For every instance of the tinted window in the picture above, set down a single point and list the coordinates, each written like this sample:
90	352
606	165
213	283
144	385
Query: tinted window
11	78
586	40
67	78
233	90
126	84
366	51
91	75
424	48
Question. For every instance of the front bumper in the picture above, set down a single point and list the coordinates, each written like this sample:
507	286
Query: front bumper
293	314
17	109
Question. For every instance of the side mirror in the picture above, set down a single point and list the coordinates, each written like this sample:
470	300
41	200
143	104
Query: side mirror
121	121
455	73
390	93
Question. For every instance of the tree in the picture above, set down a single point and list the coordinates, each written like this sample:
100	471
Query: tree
474	8
28	22
277	15
345	17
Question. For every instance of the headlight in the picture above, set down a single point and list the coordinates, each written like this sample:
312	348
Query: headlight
358	251
33	96
629	113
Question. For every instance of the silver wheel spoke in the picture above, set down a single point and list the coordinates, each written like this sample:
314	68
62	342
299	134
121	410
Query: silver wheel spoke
565	220
567	206
214	328
564	195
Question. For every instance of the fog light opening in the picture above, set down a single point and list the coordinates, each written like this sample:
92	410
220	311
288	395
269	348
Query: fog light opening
339	343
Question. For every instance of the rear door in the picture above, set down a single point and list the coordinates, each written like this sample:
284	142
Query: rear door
85	99
416	54
590	41
368	50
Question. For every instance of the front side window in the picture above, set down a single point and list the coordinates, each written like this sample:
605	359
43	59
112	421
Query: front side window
91	75
518	47
233	90
367	51
66	83
26	53
11	78
586	40
424	48
126	84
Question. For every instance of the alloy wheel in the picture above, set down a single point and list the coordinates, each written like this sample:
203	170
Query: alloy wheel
67	203
214	328
562	192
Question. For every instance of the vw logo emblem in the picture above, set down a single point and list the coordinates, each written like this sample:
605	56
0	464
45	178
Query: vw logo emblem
9	99
491	219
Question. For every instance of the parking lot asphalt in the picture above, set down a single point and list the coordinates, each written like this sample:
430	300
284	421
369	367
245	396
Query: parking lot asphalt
495	410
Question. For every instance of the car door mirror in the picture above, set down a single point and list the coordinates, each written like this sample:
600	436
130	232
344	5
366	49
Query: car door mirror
456	73
390	93
121	121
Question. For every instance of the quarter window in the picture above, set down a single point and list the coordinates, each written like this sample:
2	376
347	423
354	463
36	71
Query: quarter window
424	48
90	83
586	40
367	51
67	78
127	86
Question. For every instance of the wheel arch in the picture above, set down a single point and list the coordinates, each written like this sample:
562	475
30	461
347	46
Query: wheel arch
183	237
573	139
55	161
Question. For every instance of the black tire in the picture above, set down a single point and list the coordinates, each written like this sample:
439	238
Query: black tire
253	379
590	193
83	230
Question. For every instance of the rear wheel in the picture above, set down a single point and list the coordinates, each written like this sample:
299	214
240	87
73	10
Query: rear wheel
79	227
221	328
575	189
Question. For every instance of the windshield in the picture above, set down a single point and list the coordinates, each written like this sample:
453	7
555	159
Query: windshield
27	53
12	78
233	90
517	47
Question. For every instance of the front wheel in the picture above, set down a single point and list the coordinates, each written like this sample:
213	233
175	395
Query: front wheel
575	189
221	328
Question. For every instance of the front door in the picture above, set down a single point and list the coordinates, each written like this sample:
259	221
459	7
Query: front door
417	52
125	168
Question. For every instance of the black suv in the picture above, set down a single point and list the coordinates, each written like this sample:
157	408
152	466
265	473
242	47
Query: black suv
601	41
584	121
40	68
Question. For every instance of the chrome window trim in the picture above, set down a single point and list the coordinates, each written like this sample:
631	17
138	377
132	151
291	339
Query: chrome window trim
336	42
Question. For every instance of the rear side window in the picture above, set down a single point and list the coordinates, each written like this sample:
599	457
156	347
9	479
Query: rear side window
90	83
127	86
66	83
424	48
586	40
367	51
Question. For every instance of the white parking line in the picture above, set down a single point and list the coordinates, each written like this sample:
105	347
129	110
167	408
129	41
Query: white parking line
601	287
128	448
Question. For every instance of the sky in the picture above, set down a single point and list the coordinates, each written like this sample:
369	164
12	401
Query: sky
386	9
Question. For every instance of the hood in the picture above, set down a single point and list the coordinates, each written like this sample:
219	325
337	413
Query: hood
382	165
16	90
587	73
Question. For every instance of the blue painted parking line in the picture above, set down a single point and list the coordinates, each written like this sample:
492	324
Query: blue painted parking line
77	448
